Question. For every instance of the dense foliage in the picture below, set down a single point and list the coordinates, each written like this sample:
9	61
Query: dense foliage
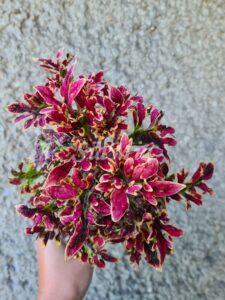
95	180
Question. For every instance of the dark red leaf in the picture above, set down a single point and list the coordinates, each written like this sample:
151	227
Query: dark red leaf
58	173
76	241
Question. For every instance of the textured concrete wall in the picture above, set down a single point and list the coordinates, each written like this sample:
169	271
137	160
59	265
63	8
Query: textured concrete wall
173	52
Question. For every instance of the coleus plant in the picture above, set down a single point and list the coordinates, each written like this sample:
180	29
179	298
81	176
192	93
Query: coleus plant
95	180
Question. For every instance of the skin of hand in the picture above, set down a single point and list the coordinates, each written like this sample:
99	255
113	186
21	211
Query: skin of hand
59	279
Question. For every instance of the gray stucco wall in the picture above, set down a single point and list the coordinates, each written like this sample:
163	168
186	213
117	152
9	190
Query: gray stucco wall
173	53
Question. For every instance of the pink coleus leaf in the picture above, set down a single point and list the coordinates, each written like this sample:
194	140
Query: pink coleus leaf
133	189
208	171
122	126
47	95
116	95
139	153
42	121
58	173
108	105
128	166
25	211
119	204
66	215
166	188
85	165
41	200
149	196
62	192
122	111
98	262
21	117
74	89
90	217
154	115
48	221
104	187
125	144
118	183
108	257
59	54
169	141
106	178
164	247
98	77
204	187
181	176
147	187
101	207
138	171
150	168
99	240
18	108
194	197
141	112
167	130
78	181
66	81
198	173
172	230
57	117
107	164
28	123
76	241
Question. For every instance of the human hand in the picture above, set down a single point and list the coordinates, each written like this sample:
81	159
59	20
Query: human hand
60	279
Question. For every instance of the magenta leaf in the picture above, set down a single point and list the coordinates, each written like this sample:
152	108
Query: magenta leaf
77	180
119	204
58	173
101	207
74	89
28	123
128	166
47	95
116	95
76	241
150	168
66	81
85	165
150	197
108	105
133	189
62	192
99	262
107	164
138	171
125	143
166	188
141	113
103	187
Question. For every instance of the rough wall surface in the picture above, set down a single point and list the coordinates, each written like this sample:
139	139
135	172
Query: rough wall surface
172	52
